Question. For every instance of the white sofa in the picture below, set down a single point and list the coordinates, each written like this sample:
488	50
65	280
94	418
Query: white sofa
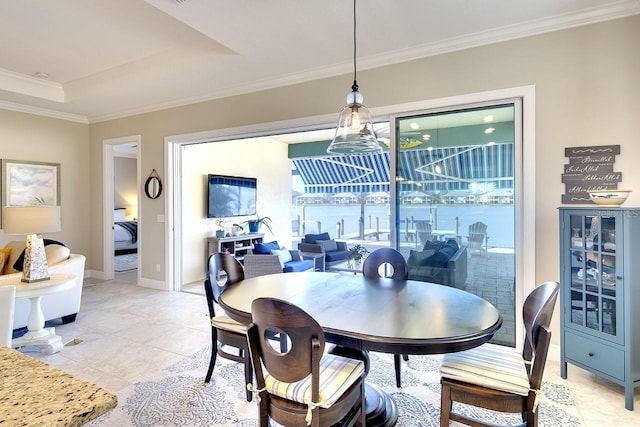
64	305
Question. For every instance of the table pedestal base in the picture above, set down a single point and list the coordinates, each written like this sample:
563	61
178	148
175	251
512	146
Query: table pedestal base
380	408
45	337
37	334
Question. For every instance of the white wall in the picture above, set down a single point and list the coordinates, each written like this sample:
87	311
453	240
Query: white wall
259	158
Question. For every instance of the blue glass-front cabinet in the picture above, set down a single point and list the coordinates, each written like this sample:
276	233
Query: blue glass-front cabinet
600	293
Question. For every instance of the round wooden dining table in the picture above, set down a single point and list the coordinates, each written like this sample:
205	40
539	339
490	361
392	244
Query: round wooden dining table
383	315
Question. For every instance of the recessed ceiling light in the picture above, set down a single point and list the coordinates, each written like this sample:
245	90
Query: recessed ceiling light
488	118
40	75
489	130
490	143
426	137
429	148
414	126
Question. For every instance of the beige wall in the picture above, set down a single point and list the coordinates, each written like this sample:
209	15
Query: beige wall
586	83
587	91
261	158
40	139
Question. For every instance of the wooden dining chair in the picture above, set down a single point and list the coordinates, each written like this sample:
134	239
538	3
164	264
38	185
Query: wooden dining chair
497	377
388	263
302	386
224	272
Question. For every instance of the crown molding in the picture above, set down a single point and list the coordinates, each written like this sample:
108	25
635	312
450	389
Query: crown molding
32	86
590	16
21	108
594	15
54	91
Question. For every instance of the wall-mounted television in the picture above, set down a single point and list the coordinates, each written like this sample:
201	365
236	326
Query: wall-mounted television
230	196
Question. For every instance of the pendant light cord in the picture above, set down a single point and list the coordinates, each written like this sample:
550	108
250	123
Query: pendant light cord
354	87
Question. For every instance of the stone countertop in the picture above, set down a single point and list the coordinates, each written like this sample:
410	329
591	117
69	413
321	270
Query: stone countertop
34	393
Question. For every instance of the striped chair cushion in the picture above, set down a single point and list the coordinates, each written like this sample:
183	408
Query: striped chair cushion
227	324
337	374
492	366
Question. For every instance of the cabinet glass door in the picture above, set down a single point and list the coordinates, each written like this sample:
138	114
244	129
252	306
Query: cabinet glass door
593	295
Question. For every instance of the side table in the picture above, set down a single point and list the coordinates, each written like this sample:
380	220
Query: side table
317	257
37	334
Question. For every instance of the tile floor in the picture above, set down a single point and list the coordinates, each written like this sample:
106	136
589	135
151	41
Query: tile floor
128	332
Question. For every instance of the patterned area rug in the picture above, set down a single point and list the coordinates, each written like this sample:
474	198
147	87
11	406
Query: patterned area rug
125	262
178	397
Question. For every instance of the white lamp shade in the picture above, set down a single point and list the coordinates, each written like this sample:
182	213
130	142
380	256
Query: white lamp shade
31	219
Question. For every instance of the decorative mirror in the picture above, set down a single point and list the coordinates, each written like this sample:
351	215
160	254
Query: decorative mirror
153	185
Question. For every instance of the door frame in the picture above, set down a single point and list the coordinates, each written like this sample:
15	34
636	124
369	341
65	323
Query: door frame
525	210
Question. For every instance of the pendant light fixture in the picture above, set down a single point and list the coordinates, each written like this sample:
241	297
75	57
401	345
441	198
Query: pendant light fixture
354	134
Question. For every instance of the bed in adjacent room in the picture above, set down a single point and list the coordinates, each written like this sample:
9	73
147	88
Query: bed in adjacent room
125	233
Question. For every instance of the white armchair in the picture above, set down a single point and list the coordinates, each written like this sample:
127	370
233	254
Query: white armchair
7	306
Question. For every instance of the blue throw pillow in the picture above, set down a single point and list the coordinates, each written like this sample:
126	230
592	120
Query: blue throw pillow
265	248
313	238
452	244
444	254
432	245
439	259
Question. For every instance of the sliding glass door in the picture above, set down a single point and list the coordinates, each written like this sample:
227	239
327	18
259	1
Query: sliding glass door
455	193
445	194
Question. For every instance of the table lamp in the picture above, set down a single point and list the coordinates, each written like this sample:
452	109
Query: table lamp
33	220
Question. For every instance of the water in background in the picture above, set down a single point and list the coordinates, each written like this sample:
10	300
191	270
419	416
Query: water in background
499	219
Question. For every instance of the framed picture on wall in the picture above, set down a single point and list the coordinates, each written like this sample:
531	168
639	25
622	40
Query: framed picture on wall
27	183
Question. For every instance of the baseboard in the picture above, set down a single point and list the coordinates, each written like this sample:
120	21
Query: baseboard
153	284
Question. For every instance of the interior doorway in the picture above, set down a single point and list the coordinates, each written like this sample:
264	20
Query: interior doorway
121	191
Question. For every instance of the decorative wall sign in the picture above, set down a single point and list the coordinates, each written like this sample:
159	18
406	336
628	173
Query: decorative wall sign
589	168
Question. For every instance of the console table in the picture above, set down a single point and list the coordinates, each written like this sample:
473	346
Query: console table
238	246
36	394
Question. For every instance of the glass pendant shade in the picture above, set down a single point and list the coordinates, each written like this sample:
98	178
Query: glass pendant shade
354	134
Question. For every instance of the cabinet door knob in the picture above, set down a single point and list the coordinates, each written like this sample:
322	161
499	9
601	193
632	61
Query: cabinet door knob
619	277
591	354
